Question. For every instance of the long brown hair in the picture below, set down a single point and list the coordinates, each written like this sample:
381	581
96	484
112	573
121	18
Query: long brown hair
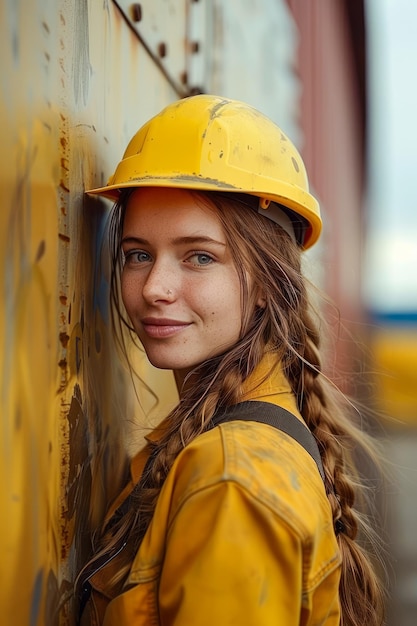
287	325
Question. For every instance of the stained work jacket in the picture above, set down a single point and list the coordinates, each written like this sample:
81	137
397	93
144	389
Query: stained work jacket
242	533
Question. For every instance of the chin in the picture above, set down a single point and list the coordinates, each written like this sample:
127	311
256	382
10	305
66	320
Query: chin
160	365
165	364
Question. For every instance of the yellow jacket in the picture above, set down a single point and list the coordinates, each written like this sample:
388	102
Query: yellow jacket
242	533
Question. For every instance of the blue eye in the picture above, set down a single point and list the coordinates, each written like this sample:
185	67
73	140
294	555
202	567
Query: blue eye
136	256
201	258
204	259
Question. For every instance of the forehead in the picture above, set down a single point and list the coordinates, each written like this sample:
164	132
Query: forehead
158	209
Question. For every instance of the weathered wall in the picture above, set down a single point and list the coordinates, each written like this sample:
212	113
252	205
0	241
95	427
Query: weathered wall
77	81
73	78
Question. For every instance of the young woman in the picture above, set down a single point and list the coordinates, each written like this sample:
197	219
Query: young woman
240	507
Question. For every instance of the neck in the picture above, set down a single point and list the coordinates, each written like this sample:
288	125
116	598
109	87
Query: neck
183	380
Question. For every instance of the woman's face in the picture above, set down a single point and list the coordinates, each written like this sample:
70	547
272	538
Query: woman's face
180	287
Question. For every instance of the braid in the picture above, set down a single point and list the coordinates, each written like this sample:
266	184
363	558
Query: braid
337	438
361	593
291	328
263	251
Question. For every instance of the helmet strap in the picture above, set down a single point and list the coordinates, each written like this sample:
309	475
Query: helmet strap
272	210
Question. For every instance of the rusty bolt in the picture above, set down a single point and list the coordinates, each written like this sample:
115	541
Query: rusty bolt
184	78
194	47
162	49
136	12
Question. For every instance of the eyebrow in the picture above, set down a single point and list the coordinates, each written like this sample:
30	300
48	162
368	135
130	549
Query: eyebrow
177	241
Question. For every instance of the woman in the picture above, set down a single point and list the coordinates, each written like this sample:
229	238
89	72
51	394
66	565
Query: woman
230	516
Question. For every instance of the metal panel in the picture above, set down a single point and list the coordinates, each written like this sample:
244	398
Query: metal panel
174	33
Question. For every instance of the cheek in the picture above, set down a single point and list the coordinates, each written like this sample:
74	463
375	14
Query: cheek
228	304
128	291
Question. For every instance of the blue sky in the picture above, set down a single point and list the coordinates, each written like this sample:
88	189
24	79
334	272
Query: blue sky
391	271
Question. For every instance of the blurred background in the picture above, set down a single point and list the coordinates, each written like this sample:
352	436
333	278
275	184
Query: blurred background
78	78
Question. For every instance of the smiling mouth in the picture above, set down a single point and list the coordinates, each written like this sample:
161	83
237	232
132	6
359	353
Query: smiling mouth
159	329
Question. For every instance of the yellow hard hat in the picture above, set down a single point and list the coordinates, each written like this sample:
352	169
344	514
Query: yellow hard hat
212	143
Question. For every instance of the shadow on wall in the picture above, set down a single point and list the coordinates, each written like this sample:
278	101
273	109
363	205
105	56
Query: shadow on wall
100	405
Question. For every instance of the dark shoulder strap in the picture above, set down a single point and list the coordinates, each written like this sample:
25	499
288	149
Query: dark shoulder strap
267	413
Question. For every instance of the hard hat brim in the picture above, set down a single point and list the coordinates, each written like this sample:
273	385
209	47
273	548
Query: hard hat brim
308	205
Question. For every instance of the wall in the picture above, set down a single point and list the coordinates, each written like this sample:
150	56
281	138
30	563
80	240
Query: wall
77	80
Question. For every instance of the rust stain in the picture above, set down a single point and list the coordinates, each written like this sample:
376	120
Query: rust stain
63	338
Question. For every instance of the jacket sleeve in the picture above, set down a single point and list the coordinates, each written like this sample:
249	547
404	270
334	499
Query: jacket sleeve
230	559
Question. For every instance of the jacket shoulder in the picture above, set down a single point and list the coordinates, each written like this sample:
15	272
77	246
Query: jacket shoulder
269	464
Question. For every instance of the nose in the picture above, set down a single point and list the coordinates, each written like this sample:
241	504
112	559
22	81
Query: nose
160	284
